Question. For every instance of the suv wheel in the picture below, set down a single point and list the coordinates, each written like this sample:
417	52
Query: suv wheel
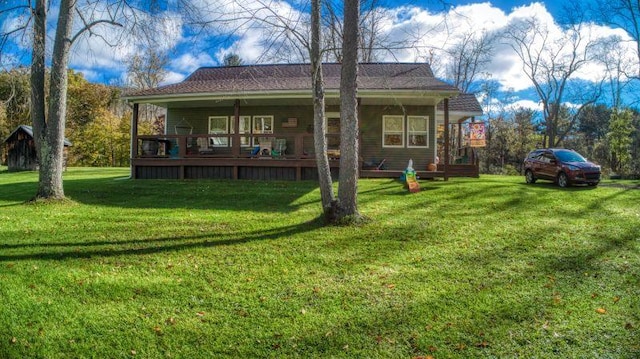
563	181
529	177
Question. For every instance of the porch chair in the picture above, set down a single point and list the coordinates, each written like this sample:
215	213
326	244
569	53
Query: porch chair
265	146
280	147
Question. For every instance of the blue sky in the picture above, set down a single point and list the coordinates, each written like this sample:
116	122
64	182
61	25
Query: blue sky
415	21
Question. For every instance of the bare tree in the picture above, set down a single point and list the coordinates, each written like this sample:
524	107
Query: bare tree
613	56
550	64
470	55
319	126
290	32
49	122
49	135
624	14
372	41
49	116
146	69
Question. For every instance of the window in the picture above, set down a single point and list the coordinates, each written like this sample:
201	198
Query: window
417	131
262	124
393	131
219	125
245	128
333	131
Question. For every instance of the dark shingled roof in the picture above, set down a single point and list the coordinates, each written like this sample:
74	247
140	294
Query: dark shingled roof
464	102
294	77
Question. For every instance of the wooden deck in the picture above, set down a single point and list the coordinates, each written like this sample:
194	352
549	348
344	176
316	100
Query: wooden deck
228	168
164	162
265	169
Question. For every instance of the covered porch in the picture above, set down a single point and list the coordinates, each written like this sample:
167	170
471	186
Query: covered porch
271	156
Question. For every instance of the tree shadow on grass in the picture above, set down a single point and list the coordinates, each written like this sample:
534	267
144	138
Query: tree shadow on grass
271	196
17	192
144	246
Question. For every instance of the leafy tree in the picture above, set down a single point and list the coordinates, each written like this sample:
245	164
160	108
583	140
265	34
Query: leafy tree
86	101
593	121
14	97
593	125
525	136
619	138
635	147
232	60
103	142
93	128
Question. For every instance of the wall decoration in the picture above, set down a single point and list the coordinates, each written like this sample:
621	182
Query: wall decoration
290	122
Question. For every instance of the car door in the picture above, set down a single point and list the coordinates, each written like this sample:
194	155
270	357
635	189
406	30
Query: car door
548	166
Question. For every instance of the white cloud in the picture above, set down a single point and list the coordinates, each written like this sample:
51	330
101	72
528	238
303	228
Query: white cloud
526	104
238	26
90	75
173	77
188	63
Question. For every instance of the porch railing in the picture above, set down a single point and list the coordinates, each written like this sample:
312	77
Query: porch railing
282	146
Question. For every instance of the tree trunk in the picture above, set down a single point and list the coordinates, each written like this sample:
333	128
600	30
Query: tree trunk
348	185
319	139
50	133
38	112
38	72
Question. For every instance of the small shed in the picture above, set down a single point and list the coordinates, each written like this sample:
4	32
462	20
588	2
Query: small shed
20	150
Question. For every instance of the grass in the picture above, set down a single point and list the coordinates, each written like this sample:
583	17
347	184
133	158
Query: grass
482	268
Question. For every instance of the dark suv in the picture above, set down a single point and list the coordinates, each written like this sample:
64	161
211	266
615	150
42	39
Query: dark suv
565	167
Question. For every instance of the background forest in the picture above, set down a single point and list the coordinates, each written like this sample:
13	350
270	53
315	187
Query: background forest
98	121
605	136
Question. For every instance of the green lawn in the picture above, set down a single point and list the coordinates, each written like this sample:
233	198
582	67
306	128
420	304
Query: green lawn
467	268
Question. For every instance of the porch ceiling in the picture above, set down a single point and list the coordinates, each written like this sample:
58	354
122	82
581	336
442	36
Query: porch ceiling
204	101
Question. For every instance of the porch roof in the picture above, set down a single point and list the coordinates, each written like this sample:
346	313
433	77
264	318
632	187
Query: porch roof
387	80
461	107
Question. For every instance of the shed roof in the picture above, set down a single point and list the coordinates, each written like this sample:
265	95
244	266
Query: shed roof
29	131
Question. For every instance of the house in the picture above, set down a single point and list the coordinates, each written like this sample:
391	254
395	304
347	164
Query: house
256	122
20	150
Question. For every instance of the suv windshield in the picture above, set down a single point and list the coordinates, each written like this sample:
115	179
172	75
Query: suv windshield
569	156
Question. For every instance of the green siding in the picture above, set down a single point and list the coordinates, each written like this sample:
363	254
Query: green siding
395	158
370	124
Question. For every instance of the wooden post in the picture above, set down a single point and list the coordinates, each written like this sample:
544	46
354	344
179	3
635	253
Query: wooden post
298	146
446	139
182	146
134	139
459	140
235	141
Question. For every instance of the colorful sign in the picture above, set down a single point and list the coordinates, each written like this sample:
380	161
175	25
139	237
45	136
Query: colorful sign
477	136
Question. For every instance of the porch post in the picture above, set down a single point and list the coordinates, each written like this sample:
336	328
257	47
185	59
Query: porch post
459	141
446	139
134	139
235	141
